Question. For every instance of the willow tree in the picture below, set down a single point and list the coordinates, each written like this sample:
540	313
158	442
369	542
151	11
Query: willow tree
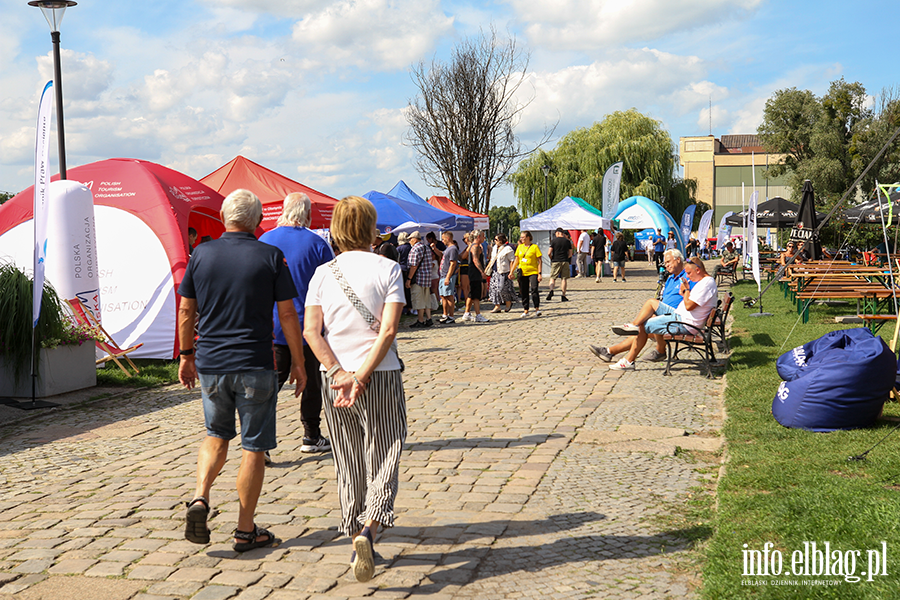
462	123
582	156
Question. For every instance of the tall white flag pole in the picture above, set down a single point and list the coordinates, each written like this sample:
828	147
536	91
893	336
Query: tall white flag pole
41	195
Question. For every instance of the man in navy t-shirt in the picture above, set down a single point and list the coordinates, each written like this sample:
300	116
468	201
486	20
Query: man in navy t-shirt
232	284
304	252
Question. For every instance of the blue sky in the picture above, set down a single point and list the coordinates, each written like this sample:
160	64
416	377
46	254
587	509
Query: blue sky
316	89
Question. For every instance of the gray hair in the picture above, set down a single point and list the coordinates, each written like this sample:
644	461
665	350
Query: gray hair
403	237
674	253
243	209
295	210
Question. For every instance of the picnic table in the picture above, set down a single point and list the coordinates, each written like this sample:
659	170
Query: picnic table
869	285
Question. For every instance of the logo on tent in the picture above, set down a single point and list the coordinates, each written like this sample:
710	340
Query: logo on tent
174	191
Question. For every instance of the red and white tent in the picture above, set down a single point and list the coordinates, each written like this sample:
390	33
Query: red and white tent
142	212
444	203
271	188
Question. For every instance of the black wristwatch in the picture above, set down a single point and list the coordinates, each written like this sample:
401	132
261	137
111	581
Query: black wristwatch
186	352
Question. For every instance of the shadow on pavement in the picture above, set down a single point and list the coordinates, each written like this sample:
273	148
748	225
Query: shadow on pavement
471	564
479	442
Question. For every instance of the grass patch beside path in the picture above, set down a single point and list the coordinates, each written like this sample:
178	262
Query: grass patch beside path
787	486
153	372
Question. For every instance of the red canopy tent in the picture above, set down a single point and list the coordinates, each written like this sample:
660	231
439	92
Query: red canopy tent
271	188
142	212
444	203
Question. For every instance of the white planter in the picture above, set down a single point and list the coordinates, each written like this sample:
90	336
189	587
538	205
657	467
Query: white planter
63	369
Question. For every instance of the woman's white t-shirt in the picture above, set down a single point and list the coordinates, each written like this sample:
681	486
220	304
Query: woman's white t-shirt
377	281
671	244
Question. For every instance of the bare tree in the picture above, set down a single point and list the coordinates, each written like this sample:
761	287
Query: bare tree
462	121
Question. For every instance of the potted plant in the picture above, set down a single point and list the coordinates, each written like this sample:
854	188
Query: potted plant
66	351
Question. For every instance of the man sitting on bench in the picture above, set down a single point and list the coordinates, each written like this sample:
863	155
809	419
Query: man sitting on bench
729	261
694	309
670	299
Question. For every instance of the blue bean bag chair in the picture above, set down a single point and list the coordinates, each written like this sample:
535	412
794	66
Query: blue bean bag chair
839	381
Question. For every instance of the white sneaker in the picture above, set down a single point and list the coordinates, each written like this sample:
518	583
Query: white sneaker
481	319
468	317
537	313
524	314
623	365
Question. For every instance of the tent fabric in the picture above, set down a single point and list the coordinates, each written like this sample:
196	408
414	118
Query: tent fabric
393	212
271	188
777	213
464	221
640	212
444	203
838	381
142	212
568	214
404	192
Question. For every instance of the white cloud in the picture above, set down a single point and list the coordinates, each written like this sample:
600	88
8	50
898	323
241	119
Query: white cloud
282	8
591	24
85	77
377	34
645	79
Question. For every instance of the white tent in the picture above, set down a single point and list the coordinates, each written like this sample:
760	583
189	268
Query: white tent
569	213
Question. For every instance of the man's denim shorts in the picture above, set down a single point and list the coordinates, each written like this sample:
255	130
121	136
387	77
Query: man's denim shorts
660	325
448	290
253	394
664	309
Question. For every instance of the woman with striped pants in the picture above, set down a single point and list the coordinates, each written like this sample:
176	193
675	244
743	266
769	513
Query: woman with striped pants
352	313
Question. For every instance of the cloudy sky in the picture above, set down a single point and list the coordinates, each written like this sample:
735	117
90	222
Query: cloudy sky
316	89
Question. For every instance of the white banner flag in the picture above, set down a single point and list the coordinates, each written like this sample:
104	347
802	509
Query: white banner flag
753	241
41	181
724	232
612	181
703	228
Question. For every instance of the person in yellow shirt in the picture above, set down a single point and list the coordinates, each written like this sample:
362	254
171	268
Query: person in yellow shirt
528	259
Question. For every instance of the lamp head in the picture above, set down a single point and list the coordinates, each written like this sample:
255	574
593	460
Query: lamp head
53	11
546	170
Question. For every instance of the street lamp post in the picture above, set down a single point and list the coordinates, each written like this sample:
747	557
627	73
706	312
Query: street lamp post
53	11
546	171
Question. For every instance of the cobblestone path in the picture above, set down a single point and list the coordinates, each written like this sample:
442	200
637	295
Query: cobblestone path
530	470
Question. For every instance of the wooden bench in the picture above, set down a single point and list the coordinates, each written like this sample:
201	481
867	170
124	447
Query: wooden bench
699	341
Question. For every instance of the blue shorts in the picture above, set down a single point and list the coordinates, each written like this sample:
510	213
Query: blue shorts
664	309
447	290
253	394
660	325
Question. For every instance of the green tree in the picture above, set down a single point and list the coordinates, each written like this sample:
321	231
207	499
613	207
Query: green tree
4	196
830	141
581	157
504	219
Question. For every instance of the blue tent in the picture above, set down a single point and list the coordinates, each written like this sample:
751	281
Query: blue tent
638	212
394	211
404	192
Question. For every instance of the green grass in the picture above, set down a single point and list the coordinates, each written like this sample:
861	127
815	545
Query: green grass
788	486
153	372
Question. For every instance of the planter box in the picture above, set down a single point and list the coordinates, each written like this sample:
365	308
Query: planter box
63	369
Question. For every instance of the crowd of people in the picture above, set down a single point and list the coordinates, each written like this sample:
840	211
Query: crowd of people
290	307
